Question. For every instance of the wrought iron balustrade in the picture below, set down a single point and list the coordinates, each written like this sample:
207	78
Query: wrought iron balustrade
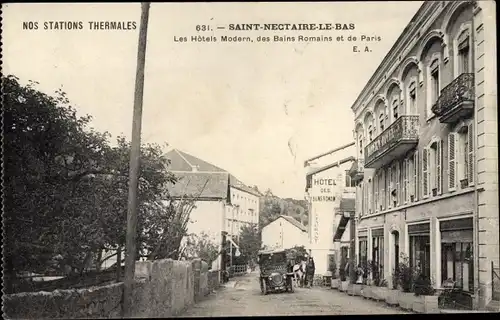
401	132
456	99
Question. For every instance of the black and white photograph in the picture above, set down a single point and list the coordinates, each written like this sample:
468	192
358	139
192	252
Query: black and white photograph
231	159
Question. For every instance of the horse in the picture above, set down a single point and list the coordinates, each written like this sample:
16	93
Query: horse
299	273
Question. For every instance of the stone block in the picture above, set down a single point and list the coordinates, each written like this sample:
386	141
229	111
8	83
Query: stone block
143	269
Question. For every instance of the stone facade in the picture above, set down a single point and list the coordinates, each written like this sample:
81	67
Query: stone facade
426	136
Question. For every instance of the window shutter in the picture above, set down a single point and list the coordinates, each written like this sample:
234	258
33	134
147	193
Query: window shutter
439	158
398	178
406	180
415	175
470	154
382	190
452	161
388	199
425	171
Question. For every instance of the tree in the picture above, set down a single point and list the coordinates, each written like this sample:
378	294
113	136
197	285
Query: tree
200	246
66	188
250	241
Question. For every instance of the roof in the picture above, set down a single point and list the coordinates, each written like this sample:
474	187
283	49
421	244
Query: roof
347	205
194	172
200	184
335	164
292	221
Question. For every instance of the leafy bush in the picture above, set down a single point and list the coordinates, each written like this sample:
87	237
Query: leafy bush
405	274
423	286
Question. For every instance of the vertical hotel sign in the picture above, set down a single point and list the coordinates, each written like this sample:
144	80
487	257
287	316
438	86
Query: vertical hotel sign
323	193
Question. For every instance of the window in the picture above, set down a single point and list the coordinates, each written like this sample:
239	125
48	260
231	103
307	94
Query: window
461	157
432	172
381	119
395	109
378	252
420	253
349	183
434	73
370	133
457	252
363	253
464	52
361	146
412	98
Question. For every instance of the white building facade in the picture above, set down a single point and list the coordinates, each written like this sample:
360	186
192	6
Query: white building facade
324	189
284	233
426	134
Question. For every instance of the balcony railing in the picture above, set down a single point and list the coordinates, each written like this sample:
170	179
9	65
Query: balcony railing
456	100
400	137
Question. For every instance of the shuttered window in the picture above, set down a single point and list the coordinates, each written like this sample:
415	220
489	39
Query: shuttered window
377	188
452	160
425	172
470	154
381	191
388	200
415	175
398	185
406	169
440	167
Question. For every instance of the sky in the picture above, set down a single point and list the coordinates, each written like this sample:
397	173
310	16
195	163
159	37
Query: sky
258	110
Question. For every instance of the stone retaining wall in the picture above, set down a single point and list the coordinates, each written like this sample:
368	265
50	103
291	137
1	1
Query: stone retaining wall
163	288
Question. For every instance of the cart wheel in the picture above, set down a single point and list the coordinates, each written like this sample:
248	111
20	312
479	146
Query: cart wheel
263	287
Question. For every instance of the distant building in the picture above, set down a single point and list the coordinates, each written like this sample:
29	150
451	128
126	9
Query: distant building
284	233
224	203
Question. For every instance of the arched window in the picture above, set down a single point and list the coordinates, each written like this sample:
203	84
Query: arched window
434	78
412	98
381	119
395	108
433	85
463	52
370	133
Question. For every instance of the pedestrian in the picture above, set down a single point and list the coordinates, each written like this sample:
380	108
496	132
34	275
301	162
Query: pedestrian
310	269
359	272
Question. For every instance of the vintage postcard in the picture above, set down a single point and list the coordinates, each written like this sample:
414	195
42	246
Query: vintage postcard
249	159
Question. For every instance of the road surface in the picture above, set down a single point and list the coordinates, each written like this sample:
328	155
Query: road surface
242	297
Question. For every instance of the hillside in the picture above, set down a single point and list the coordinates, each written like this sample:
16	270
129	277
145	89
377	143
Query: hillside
272	206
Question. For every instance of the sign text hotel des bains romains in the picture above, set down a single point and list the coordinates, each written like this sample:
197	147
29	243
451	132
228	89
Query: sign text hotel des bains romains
325	187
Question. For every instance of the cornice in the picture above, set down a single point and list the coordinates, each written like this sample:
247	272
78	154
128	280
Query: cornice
406	42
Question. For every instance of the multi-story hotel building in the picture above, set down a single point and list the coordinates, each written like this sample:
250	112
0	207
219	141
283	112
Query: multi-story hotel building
426	136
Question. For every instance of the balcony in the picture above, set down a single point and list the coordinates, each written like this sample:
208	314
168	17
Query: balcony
357	170
456	100
399	138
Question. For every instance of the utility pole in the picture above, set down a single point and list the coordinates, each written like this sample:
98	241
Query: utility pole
135	152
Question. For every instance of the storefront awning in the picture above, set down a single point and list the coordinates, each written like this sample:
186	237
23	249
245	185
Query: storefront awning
347	205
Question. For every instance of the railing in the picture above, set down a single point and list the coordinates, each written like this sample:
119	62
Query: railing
237	270
404	128
459	90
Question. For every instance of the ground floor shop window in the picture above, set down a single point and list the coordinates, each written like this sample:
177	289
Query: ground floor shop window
420	248
378	253
457	261
420	254
363	254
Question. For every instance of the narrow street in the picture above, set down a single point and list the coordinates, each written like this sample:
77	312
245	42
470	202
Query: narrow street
242	297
